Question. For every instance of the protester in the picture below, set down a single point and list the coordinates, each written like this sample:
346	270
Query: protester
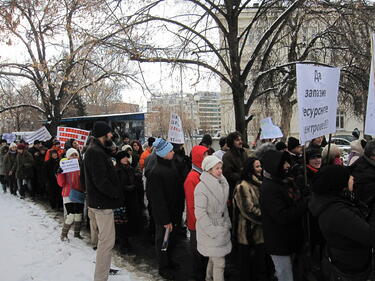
334	157
163	184
295	151
3	152
137	152
357	150
53	189
281	146
248	224
146	153
234	160
40	172
128	217
56	146
213	223
223	148
282	210
125	139
313	164
73	194
103	195
363	171
34	150
199	262
346	224
24	170
10	168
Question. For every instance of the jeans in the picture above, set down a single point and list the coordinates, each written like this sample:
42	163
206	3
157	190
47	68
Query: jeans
283	267
21	186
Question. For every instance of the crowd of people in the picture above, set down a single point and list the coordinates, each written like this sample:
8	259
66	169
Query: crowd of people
282	211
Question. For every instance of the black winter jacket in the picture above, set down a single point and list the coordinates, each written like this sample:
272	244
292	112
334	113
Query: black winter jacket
163	185
363	171
102	183
233	164
349	236
282	212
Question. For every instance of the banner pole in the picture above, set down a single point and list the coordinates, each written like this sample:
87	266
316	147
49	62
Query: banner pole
329	148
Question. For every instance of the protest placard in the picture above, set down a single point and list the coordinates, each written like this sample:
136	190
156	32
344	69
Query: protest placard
317	91
175	132
370	110
269	130
41	134
66	133
9	137
69	165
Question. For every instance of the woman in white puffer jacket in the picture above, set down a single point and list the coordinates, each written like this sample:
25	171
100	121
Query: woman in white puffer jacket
213	223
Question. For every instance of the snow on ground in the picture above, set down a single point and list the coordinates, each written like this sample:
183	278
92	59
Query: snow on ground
31	250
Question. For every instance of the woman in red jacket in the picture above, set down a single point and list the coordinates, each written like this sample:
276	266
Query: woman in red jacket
199	262
73	197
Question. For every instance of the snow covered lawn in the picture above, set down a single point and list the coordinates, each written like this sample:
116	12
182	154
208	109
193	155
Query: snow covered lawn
31	250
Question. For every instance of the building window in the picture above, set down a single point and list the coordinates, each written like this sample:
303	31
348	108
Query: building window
340	119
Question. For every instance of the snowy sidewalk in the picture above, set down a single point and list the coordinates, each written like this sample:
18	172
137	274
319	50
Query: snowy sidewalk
31	250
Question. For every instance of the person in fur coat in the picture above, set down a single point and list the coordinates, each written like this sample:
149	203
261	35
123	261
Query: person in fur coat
213	223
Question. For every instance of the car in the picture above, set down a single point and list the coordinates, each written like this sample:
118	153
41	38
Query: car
349	138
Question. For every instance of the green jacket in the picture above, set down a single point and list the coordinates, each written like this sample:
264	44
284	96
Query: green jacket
10	162
24	165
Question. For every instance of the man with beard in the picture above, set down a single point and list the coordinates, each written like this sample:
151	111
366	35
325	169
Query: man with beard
103	195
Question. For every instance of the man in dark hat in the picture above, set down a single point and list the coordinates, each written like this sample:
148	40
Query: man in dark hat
295	151
103	195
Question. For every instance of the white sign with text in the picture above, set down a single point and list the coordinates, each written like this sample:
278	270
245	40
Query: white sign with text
69	166
175	132
317	91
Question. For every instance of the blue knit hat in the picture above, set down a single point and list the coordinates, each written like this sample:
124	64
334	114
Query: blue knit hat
162	147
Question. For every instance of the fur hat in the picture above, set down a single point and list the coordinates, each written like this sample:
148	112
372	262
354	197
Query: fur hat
293	143
281	146
209	162
71	151
101	128
162	147
126	147
122	154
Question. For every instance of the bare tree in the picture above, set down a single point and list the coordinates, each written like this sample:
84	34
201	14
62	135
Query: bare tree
62	59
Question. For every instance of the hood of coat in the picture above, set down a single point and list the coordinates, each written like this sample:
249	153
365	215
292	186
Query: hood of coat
197	154
320	203
356	147
272	162
219	188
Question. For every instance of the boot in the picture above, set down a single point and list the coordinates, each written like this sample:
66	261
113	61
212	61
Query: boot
77	229
65	231
67	224
77	225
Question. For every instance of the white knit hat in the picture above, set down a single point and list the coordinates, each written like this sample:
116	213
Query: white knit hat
71	151
209	162
12	145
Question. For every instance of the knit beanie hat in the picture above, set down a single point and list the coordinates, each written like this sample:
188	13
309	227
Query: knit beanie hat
12	145
126	147
312	153
122	154
162	147
71	151
293	143
101	128
21	146
209	162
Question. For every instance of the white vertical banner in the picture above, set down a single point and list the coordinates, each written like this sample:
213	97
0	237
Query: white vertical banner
317	92
175	132
370	110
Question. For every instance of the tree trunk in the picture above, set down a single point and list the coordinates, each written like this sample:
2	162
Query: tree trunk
239	114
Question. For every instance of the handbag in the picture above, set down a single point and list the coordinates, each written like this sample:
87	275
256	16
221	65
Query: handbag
77	196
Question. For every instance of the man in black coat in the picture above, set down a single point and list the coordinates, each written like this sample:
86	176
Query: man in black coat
363	171
282	210
103	195
163	185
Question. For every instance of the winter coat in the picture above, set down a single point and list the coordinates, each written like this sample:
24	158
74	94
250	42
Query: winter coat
59	150
213	223
349	236
24	165
249	224
101	180
3	153
233	163
282	209
69	181
34	151
191	182
163	183
143	157
363	172
128	183
51	167
10	162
